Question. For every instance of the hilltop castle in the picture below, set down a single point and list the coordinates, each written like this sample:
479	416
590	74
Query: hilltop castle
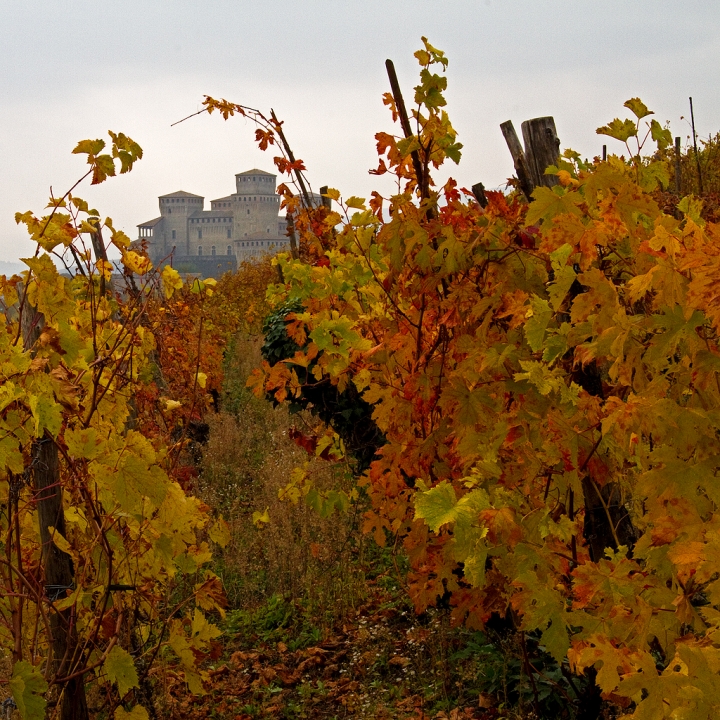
241	226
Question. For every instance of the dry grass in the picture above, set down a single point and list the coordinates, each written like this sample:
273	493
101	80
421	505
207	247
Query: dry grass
247	461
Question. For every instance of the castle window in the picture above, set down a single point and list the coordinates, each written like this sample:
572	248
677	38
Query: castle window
229	250
199	234
173	234
228	233
199	249
212	250
248	211
169	211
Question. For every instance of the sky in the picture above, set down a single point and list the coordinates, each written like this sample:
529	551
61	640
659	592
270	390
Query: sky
74	69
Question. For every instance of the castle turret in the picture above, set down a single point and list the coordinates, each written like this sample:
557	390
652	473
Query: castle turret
255	206
255	182
175	209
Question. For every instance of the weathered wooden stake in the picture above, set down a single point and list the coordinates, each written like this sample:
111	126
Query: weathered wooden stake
405	124
519	160
542	149
326	201
478	190
293	237
101	254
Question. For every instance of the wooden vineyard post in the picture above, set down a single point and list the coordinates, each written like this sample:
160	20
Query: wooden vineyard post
678	168
519	160
293	237
326	201
58	566
405	124
478	190
542	149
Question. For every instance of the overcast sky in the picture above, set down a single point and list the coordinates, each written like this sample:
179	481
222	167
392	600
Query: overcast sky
74	69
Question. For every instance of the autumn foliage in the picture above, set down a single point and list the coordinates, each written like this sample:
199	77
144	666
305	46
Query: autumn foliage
545	376
192	327
103	556
541	376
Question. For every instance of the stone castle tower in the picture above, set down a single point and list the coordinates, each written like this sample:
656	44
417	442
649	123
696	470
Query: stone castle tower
240	226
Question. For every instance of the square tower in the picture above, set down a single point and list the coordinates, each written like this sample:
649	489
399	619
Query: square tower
175	209
255	182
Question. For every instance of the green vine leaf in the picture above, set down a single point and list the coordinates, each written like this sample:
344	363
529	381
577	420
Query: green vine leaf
120	669
28	686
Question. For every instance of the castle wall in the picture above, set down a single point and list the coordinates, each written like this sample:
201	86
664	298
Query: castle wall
208	231
205	265
255	214
257	247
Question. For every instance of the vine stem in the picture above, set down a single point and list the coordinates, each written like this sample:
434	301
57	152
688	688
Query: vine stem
607	512
194	390
528	670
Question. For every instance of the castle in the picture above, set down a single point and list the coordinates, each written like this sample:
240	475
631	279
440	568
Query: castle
241	226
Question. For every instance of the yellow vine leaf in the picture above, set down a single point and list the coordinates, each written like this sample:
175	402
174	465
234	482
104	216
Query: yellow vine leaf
171	281
120	669
136	263
137	713
260	519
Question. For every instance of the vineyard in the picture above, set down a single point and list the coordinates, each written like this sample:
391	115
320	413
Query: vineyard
453	456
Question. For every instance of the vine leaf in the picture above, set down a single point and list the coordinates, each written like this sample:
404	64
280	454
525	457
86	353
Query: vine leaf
621	130
549	203
539	316
437	505
28	687
638	108
120	670
137	713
